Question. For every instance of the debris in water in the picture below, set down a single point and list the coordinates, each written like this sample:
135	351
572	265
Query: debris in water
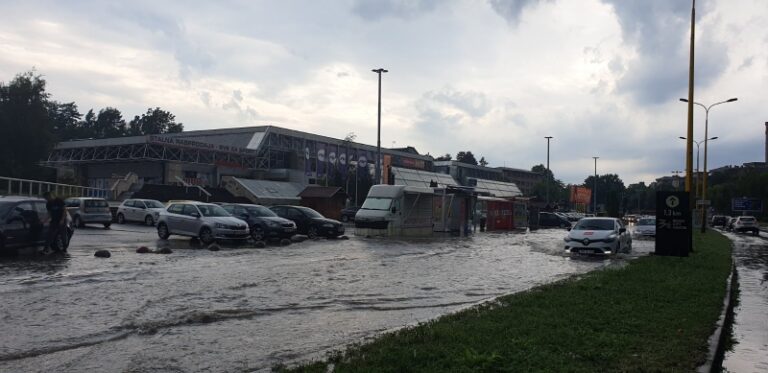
102	254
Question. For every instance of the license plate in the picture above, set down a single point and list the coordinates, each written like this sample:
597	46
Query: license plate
586	252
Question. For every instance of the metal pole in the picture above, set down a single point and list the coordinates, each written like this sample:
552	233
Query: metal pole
698	175
378	136
594	203
547	182
689	141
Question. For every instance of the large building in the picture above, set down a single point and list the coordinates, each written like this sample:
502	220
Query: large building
524	179
206	157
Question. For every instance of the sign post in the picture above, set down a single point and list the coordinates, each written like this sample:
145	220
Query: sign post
673	224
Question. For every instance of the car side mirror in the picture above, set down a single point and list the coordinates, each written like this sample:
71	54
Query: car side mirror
568	229
394	210
196	214
622	230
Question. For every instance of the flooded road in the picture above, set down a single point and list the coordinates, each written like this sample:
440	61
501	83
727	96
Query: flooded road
750	330
246	309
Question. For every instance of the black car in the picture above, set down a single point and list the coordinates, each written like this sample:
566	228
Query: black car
264	223
719	220
348	213
552	220
22	224
310	222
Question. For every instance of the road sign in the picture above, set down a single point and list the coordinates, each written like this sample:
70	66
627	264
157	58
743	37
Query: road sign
673	224
746	204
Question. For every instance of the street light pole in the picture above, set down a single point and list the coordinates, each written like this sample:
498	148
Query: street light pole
594	188
699	194
706	140
548	138
378	136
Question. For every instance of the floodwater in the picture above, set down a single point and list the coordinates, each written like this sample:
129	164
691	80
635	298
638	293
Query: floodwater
246	309
750	329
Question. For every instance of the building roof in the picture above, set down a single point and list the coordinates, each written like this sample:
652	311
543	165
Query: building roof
466	165
272	190
510	169
405	176
498	188
316	191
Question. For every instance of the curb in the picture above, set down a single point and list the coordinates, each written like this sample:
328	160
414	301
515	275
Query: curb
717	340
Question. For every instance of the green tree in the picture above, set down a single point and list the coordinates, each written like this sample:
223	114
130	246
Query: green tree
466	157
446	157
26	128
483	162
109	123
66	120
155	121
610	190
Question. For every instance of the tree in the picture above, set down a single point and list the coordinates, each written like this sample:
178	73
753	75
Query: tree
483	162
350	137
66	120
154	121
109	123
540	168
26	128
446	157
466	157
610	190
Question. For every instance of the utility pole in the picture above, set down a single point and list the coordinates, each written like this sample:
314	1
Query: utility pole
594	188
548	138
378	136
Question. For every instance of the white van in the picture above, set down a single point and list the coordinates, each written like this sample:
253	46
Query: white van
395	210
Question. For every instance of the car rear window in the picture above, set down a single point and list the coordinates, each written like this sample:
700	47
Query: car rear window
647	222
748	220
95	203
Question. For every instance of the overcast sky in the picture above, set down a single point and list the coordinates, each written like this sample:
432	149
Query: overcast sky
493	77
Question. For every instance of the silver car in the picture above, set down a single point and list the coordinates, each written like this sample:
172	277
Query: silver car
88	210
146	211
598	236
205	221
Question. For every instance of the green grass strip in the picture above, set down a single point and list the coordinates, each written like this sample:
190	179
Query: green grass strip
654	314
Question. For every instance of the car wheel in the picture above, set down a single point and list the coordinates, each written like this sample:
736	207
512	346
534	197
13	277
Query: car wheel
162	231
120	219
344	218
257	233
149	220
107	225
58	244
206	236
78	222
312	232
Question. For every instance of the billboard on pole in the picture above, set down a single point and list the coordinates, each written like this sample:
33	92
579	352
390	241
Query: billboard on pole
580	194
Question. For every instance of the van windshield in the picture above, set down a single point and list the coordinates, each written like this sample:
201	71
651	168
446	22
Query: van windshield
374	203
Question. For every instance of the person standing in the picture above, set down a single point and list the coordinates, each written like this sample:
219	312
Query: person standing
56	219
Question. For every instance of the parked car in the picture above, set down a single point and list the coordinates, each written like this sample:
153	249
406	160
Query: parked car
348	213
729	224
89	210
309	221
22	224
205	221
263	222
146	211
645	227
718	220
600	236
552	220
746	224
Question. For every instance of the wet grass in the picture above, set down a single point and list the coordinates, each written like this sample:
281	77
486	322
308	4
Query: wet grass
654	314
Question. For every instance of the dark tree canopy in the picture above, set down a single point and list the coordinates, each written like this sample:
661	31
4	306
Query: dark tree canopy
26	129
155	121
466	157
483	162
446	157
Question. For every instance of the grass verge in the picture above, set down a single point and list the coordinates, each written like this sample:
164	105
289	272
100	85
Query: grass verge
655	314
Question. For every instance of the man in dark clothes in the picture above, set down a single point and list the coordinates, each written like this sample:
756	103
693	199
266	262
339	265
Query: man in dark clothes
57	218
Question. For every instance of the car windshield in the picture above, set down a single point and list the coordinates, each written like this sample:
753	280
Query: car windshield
154	204
375	203
594	225
260	211
5	207
212	211
647	222
748	220
95	203
311	213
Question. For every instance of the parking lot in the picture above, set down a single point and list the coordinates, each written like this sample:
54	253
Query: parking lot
243	308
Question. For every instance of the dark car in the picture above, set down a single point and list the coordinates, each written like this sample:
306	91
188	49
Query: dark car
22	224
310	222
264	223
719	220
348	213
552	220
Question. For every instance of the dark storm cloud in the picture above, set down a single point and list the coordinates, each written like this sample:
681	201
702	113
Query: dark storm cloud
659	29
511	10
373	10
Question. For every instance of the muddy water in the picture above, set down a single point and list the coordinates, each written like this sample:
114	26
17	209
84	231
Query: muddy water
750	330
245	309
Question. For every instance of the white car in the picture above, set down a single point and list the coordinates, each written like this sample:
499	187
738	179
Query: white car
598	236
146	211
205	221
645	227
746	224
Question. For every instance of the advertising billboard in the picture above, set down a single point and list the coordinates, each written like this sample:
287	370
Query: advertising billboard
581	194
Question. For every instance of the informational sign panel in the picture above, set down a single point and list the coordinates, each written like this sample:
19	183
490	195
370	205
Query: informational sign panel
673	224
746	204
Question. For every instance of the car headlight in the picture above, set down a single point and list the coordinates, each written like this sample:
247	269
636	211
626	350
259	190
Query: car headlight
328	225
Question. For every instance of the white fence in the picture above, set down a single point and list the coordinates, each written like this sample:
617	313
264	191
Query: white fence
24	187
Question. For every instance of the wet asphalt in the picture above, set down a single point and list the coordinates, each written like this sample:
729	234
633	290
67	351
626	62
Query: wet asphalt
247	309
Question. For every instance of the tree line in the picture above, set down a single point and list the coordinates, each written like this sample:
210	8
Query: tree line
32	123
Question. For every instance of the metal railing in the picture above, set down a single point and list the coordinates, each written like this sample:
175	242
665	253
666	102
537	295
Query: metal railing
25	187
199	188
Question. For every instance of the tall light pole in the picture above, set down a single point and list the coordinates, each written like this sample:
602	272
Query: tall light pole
706	133
689	143
378	135
548	138
594	188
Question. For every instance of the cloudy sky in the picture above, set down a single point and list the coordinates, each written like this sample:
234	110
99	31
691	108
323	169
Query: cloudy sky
494	77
